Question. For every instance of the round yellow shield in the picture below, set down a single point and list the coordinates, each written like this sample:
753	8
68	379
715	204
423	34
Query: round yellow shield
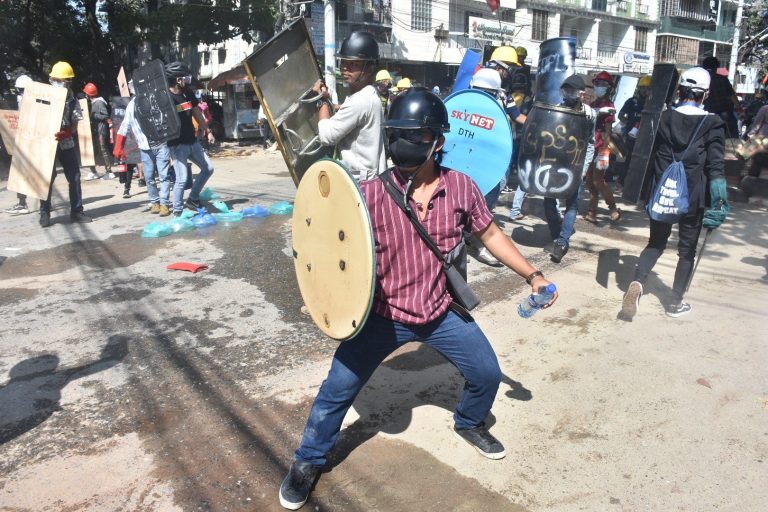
333	249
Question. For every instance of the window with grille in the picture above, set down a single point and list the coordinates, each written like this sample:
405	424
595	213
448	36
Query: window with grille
508	15
421	15
641	39
540	25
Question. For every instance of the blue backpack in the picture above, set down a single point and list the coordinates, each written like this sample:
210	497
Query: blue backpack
669	201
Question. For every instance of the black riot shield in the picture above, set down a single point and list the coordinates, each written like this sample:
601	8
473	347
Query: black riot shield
552	150
154	109
132	152
557	61
639	175
282	72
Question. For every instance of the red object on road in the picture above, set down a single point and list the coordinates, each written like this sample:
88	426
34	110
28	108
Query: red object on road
189	267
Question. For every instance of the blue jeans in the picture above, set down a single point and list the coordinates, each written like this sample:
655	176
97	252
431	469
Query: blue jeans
561	229
181	154
517	203
156	163
492	197
460	341
70	161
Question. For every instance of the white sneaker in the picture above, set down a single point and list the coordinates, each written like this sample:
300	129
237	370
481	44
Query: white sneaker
91	176
109	176
484	256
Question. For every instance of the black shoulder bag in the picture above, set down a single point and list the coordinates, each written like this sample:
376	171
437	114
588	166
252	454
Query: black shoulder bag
457	283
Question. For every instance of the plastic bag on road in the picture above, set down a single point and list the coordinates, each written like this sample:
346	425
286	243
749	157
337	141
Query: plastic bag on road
203	219
156	230
221	206
208	194
228	217
281	208
255	211
180	225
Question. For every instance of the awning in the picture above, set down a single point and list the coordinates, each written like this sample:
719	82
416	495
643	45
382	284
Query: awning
236	75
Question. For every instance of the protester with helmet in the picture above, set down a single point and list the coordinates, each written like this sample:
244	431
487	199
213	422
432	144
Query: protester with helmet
505	61
595	178
412	301
525	70
100	120
383	84
629	115
687	126
403	84
355	129
186	146
21	207
66	153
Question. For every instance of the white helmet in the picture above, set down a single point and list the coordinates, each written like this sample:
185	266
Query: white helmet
22	81
486	78
695	78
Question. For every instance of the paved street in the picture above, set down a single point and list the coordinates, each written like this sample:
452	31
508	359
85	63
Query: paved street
125	386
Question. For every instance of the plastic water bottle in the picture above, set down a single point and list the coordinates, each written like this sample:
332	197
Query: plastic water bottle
533	303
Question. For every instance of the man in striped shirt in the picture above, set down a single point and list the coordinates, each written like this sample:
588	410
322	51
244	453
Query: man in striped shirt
412	301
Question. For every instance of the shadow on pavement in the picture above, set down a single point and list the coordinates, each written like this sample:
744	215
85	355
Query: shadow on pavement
33	392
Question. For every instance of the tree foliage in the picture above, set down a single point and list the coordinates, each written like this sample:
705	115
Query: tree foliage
98	37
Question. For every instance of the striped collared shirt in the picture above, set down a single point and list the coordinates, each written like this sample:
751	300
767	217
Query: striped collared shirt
410	283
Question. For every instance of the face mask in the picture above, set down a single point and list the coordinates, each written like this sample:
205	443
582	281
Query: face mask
600	91
570	96
58	83
410	154
383	89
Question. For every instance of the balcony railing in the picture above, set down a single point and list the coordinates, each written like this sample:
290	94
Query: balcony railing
462	41
676	27
623	8
584	53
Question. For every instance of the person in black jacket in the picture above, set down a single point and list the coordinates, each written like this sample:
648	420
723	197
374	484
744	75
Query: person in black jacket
100	126
704	167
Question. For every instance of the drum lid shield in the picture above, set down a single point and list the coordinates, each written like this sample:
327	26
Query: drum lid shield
333	249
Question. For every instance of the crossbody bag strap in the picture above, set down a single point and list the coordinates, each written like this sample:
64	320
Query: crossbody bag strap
389	185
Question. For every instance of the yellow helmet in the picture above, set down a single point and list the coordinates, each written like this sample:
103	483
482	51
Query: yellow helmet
505	54
645	81
62	71
522	53
383	75
404	83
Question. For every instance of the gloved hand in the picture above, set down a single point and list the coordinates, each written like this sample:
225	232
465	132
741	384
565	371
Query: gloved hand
63	134
719	210
118	150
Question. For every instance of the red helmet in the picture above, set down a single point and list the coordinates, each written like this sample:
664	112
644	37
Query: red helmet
90	90
604	76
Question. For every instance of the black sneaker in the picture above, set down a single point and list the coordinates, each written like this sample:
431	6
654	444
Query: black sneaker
193	204
558	251
676	310
482	440
631	301
17	209
297	484
45	219
126	194
79	218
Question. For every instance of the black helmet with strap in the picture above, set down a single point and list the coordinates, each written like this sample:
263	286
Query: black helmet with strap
417	108
359	45
177	69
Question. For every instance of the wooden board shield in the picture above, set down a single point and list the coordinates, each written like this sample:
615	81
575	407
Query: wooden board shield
333	249
40	118
282	72
480	141
9	125
85	136
122	84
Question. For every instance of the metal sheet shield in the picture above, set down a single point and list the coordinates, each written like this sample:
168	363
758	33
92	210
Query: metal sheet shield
557	61
480	141
283	71
552	150
333	249
154	109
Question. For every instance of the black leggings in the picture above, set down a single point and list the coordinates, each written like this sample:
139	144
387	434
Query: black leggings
689	229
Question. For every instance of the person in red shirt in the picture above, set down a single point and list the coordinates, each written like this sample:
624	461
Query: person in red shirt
411	300
595	177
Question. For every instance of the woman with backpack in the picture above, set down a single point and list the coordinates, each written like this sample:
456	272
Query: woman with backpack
687	134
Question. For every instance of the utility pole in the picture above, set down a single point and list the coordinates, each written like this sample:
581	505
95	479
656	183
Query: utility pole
329	69
735	45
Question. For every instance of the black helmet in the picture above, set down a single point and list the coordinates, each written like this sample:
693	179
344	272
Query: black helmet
418	108
359	46
177	69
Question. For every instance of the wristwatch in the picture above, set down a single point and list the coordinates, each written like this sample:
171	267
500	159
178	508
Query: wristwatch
533	275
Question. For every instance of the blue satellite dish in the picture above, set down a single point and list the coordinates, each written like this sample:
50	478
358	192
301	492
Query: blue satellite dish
480	141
